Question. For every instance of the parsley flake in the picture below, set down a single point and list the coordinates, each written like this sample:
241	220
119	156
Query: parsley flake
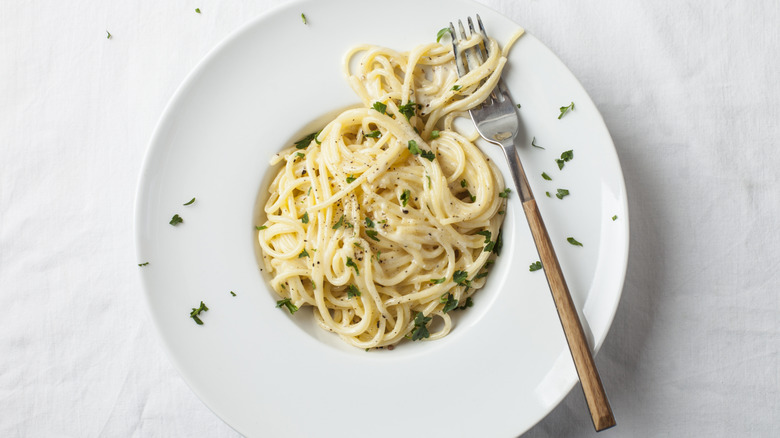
374	134
464	183
450	302
352	291
263	227
413	148
546	176
306	141
143	264
351	263
441	33
561	193
369	222
350	179
108	35
303	254
197	10
381	107
505	193
487	235
303	18
405	197
176	220
420	330
455	88
573	241
533	143
292	308
407	109
535	266
373	234
435	134
232	293
196	312
461	278
565	109
305	218
438	280
338	224
469	303
428	155
191	201
614	218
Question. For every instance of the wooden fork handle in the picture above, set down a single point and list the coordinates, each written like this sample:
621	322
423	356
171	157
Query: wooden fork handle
600	411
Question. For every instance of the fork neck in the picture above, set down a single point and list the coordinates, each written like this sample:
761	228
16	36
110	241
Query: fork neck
518	174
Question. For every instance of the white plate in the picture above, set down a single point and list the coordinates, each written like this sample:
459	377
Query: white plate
504	366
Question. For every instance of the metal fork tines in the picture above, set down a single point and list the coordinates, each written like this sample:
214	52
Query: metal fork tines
496	120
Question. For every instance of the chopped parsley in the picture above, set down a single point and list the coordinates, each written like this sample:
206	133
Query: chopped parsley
561	193
374	134
573	241
195	312
614	218
461	278
338	224
489	247
413	148
260	228
191	201
546	176
303	254
305	141
108	35
441	33
505	193
232	293
499	244
429	155
352	291
373	234
381	107
565	109
300	155
438	280
292	308
143	264
351	263
420	331
469	302
303	18
565	156
176	220
197	10
548	194
533	143
482	275
305	218
407	109
435	134
449	302
487	235
464	183
369	222
535	266
405	197
350	179
455	88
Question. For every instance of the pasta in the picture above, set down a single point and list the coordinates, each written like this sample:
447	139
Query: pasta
385	221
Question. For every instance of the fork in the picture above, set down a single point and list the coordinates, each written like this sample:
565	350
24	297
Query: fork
496	120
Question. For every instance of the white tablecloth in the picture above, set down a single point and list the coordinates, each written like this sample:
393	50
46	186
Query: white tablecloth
689	91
